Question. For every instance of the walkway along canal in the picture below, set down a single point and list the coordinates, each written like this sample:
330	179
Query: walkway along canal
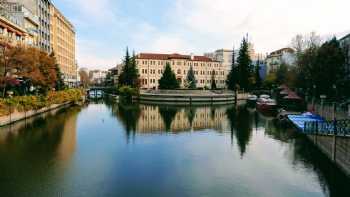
110	149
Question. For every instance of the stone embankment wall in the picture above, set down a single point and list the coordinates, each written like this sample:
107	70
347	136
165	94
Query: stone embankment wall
17	116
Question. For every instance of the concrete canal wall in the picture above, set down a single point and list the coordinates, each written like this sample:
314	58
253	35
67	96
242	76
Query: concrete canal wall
335	148
17	116
189	96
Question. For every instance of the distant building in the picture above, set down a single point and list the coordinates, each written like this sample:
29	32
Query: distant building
97	77
224	56
115	72
345	44
285	56
151	67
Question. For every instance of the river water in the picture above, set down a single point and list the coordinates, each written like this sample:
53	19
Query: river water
109	149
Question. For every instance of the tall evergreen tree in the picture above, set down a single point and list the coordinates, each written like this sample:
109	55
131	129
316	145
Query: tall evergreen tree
191	79
258	80
232	77
168	80
213	82
129	75
244	66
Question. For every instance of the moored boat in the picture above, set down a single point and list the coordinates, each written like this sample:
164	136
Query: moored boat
266	104
251	101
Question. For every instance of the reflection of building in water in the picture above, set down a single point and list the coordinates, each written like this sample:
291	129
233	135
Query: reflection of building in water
56	128
68	143
155	119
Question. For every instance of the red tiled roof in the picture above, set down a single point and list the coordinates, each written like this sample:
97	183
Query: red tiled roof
157	56
202	59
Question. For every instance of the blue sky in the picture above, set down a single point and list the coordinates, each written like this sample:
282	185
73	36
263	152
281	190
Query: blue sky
104	28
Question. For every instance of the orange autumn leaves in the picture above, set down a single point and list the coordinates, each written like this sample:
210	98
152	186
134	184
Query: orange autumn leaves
28	62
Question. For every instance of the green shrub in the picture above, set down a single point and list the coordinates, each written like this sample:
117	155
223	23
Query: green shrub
127	91
26	103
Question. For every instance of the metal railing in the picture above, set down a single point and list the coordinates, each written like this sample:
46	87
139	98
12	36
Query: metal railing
336	127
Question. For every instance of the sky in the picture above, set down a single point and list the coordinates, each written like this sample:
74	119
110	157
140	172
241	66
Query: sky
105	28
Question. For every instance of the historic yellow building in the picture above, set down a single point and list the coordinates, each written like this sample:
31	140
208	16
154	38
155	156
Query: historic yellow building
63	45
151	67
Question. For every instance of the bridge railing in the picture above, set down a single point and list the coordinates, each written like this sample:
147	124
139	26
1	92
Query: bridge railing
337	127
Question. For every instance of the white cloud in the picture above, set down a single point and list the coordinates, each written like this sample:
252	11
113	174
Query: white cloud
202	25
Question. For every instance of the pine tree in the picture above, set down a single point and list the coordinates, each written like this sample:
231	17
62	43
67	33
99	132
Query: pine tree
129	75
244	66
232	81
213	82
191	79
258	80
168	80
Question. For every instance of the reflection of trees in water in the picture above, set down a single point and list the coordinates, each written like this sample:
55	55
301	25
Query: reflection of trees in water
168	115
191	114
129	115
241	125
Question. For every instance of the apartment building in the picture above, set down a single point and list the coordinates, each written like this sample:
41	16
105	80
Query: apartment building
18	23
11	32
40	9
224	56
62	41
277	58
151	67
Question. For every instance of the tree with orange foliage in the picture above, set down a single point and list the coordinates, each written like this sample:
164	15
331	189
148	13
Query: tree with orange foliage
29	63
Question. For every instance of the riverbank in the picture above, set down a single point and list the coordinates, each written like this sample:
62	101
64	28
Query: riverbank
190	96
23	107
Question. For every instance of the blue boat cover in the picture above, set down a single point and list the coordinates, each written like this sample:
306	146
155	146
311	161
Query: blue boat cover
300	120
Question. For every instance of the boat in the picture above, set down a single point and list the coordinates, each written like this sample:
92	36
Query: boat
251	101
266	105
292	102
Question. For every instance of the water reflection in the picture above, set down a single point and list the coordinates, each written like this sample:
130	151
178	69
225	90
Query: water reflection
213	150
33	149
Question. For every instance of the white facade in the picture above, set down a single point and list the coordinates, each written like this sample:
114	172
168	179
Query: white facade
151	67
98	76
277	58
224	56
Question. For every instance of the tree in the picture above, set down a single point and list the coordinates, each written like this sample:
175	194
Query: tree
281	73
129	75
59	75
168	79
329	68
29	64
258	80
244	66
191	79
213	81
232	77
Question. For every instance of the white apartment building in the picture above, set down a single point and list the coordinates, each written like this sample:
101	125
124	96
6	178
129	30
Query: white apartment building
285	56
151	67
